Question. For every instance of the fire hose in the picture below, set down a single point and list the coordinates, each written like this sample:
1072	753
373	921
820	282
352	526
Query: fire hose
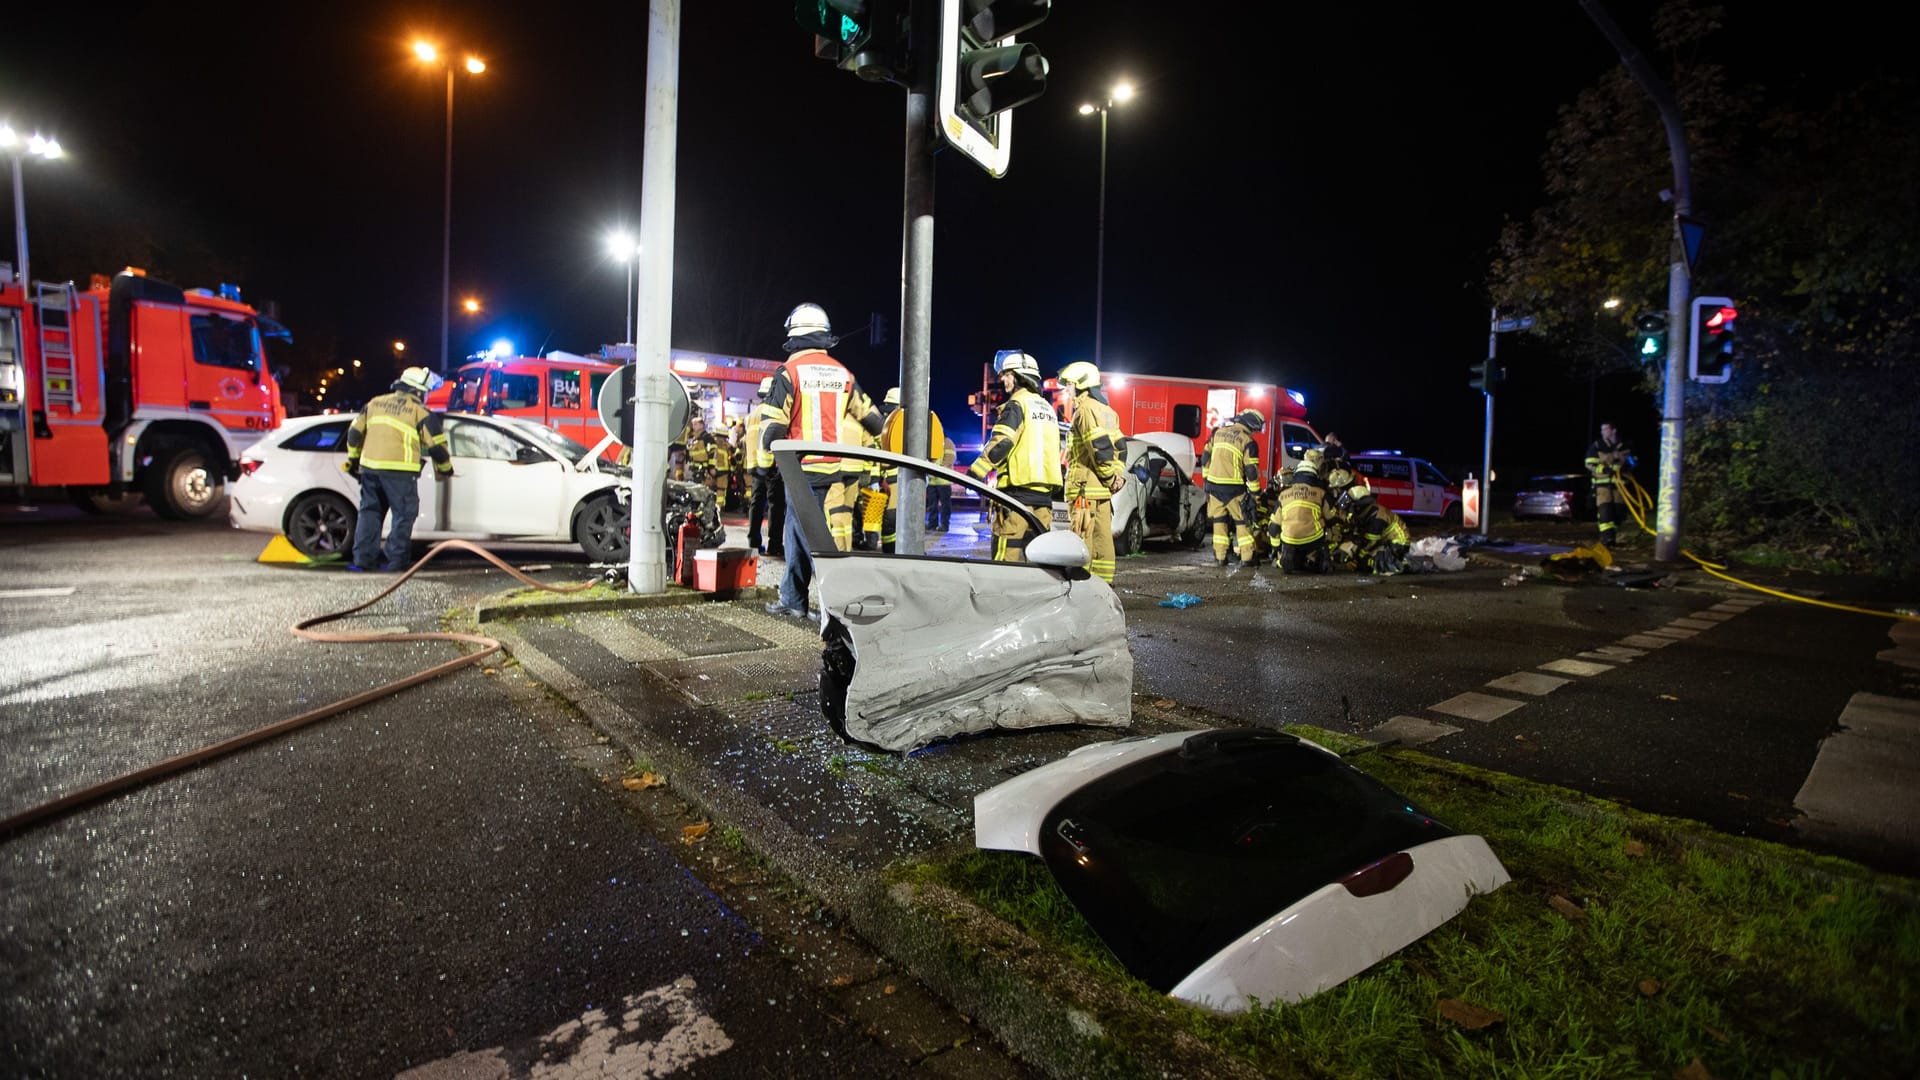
1639	503
302	629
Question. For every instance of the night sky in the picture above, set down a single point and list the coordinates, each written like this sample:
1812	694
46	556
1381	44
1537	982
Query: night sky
1302	195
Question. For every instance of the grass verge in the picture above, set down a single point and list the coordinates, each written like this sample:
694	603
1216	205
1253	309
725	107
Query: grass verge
1627	945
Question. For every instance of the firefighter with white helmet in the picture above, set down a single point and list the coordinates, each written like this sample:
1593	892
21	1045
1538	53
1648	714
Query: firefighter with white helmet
1094	468
1300	528
1024	448
814	397
767	495
1232	476
384	445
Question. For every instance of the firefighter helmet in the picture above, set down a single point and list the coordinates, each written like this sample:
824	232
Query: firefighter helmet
1080	375
1252	419
1338	478
417	379
808	319
1025	368
1359	490
766	386
1311	462
893	396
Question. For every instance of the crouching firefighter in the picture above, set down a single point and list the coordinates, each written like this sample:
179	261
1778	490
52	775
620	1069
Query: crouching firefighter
1379	538
1024	448
1300	528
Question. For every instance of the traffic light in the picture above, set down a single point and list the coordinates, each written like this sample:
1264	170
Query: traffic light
1651	326
984	73
865	37
1487	376
1714	334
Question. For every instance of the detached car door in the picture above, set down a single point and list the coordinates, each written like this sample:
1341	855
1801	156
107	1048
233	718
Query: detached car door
502	485
925	647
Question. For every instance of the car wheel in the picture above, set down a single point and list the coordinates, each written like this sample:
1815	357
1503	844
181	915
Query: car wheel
1452	517
836	673
604	530
1136	538
181	484
321	523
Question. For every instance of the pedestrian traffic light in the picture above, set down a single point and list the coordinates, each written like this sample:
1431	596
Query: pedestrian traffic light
984	73
1713	339
1487	376
865	37
1651	326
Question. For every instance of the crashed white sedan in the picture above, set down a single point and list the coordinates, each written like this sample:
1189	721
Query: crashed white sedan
927	647
1228	867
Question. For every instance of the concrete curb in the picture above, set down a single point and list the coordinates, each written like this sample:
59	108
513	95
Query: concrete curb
1047	1012
498	609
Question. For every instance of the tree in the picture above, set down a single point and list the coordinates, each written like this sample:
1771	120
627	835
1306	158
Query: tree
1814	232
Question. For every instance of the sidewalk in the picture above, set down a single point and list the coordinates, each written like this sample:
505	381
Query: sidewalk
722	699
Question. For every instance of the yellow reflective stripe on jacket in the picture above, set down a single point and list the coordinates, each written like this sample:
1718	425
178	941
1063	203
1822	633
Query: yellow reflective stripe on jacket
1034	461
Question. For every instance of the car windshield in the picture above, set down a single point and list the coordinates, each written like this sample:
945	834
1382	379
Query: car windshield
1176	856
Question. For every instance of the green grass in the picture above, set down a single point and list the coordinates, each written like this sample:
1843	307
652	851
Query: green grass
1769	961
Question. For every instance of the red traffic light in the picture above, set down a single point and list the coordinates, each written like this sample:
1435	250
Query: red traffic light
1722	319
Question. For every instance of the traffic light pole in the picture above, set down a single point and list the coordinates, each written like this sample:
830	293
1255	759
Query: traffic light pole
647	551
916	278
1666	540
1486	447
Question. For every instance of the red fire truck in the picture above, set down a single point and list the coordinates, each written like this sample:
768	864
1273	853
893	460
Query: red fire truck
131	385
561	389
1190	407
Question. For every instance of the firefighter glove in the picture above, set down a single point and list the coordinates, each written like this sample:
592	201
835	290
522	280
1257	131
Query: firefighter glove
351	468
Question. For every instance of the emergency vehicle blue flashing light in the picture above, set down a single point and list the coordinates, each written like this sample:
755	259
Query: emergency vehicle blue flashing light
502	348
229	292
1299	398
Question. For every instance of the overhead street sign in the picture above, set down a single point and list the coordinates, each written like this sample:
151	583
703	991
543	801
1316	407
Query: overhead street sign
1504	325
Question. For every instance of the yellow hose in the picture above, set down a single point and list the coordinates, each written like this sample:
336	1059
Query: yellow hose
1639	503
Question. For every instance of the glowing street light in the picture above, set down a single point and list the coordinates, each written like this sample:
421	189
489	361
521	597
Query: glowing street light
1611	303
429	53
1121	93
621	245
470	305
15	147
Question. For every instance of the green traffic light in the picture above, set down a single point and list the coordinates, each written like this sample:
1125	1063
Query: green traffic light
1650	347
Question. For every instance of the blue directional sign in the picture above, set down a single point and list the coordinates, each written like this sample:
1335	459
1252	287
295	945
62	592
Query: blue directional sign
1691	233
1504	325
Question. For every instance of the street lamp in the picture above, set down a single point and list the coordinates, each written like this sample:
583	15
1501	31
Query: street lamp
621	245
1119	95
428	53
35	145
471	305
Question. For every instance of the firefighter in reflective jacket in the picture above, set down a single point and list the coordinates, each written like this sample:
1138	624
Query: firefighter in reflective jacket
1605	458
1301	525
879	504
1378	538
1233	481
814	397
384	445
1094	469
767	500
1024	447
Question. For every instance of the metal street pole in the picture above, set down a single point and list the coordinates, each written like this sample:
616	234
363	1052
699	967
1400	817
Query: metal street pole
20	227
1100	259
647	564
916	282
446	231
632	257
1666	540
1486	449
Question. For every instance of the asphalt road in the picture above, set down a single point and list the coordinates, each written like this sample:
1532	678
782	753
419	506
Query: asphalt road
427	882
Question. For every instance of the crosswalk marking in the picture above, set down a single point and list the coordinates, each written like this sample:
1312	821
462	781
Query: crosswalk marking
1862	781
1575	667
1473	706
1529	682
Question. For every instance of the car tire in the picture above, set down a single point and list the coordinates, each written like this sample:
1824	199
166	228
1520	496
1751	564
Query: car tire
836	674
182	485
321	523
604	530
1453	516
1135	541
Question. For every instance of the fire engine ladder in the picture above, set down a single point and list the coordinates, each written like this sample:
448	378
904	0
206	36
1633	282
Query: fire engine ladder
59	382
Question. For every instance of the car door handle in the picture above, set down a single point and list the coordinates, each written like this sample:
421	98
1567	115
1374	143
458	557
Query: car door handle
869	606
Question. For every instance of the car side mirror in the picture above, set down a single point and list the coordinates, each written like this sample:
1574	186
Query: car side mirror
1059	548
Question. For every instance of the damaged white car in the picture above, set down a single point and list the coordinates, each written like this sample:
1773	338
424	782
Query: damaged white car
927	647
1228	867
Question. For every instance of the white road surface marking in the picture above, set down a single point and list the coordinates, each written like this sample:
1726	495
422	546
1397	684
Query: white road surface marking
1529	682
27	594
1481	707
